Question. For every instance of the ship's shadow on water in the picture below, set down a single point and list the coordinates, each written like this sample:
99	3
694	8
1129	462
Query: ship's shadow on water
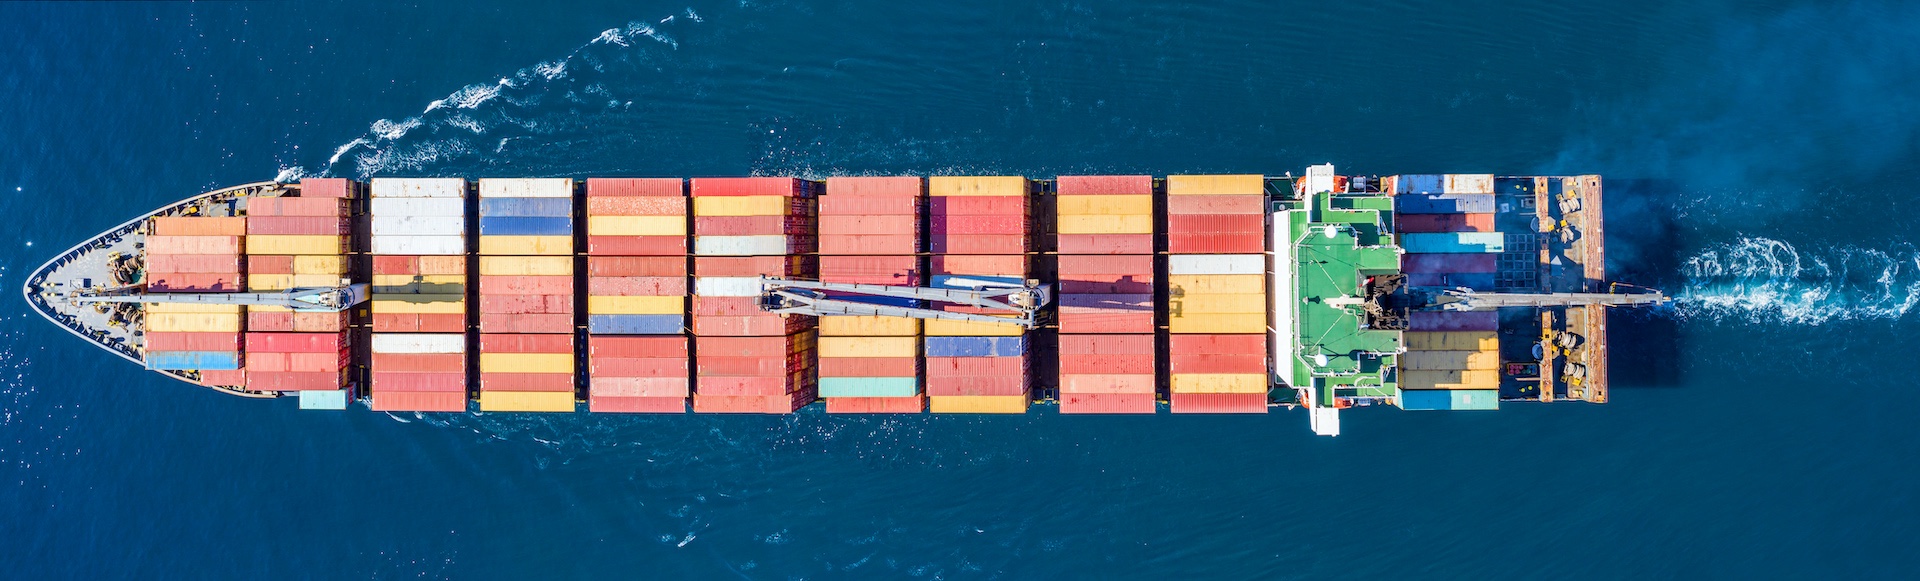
1644	248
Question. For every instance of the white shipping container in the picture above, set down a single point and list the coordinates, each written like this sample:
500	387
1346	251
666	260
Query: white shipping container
420	245
419	207
419	187
727	286
419	225
1469	183
774	245
1216	264
419	343
526	188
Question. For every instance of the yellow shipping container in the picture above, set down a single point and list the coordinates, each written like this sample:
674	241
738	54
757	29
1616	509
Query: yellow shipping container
1201	284
526	265
526	363
526	401
1216	185
869	326
1439	360
420	304
527	245
273	282
976	186
977	404
637	225
1450	379
1218	323
190	308
303	244
673	305
320	264
1216	303
415	284
937	328
1140	205
741	205
1218	383
869	346
192	323
1452	341
1105	224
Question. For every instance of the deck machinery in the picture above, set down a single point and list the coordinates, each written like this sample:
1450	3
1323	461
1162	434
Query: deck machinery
1342	308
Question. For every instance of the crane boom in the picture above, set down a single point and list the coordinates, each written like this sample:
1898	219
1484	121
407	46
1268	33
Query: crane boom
804	297
325	299
1470	300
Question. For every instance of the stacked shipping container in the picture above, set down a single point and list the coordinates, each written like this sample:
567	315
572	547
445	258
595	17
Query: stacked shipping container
1446	225
637	296
1216	294
419	289
526	295
194	254
977	230
299	242
746	360
1105	294
870	234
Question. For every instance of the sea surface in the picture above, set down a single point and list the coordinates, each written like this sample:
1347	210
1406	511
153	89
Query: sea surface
1762	163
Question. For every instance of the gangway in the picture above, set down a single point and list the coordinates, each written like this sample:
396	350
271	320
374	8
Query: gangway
805	297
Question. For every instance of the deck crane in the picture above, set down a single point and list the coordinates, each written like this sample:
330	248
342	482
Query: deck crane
1463	299
318	299
804	297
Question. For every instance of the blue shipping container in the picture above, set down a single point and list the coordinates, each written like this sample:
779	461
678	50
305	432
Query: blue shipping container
331	399
976	346
947	280
1421	184
533	207
185	360
1449	399
1453	242
1444	204
873	300
525	226
869	387
636	324
1482	281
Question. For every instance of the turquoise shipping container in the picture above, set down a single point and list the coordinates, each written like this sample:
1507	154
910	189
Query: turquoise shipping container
869	387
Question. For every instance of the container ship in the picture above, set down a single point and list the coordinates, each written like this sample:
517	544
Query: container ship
1119	294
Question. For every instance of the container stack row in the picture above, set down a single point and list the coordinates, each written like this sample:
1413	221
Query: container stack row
870	234
1216	294
1449	221
1465	363
978	233
195	254
526	295
1105	294
637	288
419	294
300	242
747	360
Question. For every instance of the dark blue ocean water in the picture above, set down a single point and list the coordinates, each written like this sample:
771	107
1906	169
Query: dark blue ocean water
1760	156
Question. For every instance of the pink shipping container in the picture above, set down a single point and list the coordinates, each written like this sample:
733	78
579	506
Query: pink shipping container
293	380
641	386
887	270
175	341
1089	185
876	405
637	245
1449	263
637	405
330	188
1443	222
1216	205
258	207
296	342
418	402
195	282
770	404
1107	403
674	266
1218	403
1420	321
198	226
192	264
976	385
299	225
1107	383
525	343
842	205
610	346
525	323
1104	243
386	381
764	186
526	382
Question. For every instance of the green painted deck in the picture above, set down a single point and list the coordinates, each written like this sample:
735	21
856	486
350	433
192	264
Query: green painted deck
1346	239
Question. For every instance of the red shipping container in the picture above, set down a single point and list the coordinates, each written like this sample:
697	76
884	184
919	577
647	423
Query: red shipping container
770	365
419	323
758	186
640	386
637	405
869	366
1107	403
257	207
1093	364
1443	222
1087	185
419	265
1107	345
192	264
869	244
267	264
268	362
975	385
409	381
293	380
319	322
420	362
328	188
1204	362
317	361
497	343
1218	403
727	307
976	366
876	186
418	402
626	187
638	366
526	285
756	385
902	224
1218	224
752	404
526	382
752	225
671	266
1081	320
1105	383
978	244
870	206
991	265
749	326
180	341
1106	268
622	346
299	225
1242	243
296	342
527	304
888	270
1255	204
637	206
1449	263
637	286
164	282
753	266
637	245
1104	243
977	206
938	225
499	323
1137	282
876	405
269	322
223	377
755	346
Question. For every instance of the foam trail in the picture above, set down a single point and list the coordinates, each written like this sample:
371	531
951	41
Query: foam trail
1762	280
